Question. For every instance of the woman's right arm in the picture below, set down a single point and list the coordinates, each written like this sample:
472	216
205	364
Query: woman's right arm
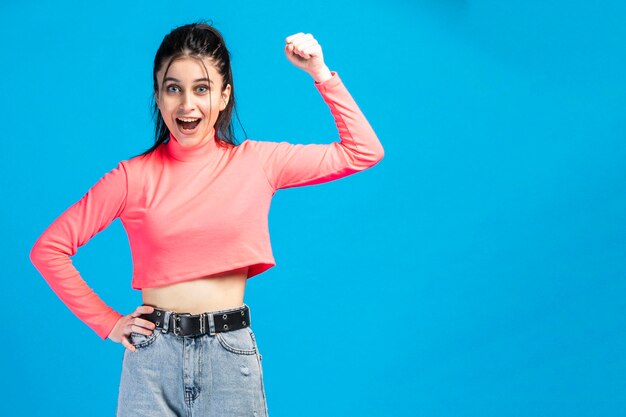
51	253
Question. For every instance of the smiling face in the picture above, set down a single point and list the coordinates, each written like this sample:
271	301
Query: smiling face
190	102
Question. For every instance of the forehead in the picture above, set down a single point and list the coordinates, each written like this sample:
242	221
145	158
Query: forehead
188	68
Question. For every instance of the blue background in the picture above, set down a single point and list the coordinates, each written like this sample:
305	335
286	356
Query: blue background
478	270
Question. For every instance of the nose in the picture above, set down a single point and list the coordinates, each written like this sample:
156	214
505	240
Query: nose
186	103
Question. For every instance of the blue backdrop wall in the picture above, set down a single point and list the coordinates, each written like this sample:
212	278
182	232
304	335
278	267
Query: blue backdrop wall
478	270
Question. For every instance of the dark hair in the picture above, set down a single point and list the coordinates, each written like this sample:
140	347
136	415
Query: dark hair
196	40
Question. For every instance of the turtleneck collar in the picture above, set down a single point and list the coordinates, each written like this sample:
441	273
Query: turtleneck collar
194	153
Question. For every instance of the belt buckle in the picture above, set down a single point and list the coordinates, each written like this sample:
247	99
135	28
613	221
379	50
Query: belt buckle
202	323
176	323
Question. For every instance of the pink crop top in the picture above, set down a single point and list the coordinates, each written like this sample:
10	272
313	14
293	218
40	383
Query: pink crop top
199	210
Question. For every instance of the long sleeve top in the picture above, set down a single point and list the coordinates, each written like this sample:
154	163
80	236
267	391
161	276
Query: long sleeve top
192	211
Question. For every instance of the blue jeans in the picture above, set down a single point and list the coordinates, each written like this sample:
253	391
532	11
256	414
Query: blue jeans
217	375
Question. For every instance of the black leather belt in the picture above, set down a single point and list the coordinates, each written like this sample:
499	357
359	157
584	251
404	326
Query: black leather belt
186	324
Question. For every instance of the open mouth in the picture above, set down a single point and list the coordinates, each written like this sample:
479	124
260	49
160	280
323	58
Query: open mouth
187	123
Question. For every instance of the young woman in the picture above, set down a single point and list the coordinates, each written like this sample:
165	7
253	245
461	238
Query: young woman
195	207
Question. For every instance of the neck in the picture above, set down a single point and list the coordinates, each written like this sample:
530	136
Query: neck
191	153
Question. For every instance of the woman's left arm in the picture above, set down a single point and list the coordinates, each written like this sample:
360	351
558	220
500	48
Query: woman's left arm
290	165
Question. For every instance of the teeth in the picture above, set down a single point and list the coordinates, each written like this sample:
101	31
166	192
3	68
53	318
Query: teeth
187	119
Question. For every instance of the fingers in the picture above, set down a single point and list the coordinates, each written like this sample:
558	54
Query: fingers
299	35
142	310
142	326
308	48
126	343
303	44
137	324
300	39
306	51
133	323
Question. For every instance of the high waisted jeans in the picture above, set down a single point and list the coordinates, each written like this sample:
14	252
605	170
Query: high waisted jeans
216	375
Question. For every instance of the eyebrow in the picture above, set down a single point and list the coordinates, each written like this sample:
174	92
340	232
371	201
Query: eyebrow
195	81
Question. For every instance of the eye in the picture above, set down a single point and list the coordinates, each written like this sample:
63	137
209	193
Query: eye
202	88
172	88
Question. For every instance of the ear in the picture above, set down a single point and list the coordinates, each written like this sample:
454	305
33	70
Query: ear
225	97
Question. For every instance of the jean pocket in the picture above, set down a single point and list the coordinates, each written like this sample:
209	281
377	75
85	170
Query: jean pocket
256	346
141	341
240	341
